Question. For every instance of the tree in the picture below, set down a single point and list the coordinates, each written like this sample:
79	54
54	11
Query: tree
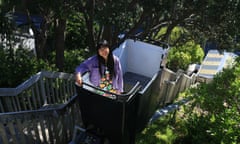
54	15
106	19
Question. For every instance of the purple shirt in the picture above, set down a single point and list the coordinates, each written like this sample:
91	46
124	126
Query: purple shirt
91	65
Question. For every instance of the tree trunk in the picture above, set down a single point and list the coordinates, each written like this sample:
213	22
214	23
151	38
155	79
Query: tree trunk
107	33
40	36
59	42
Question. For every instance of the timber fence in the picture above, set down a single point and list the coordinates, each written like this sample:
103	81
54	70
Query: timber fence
43	109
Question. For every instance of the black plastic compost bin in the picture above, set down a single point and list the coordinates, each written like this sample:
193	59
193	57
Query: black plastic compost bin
114	119
122	118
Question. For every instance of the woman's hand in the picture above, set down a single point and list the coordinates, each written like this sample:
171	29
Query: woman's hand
79	79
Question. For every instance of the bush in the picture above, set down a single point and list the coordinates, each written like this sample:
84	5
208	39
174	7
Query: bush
18	66
72	58
181	56
214	115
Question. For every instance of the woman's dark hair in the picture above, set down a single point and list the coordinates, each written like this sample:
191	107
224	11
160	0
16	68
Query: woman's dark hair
101	60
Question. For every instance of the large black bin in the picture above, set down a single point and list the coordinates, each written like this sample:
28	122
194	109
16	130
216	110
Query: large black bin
122	118
114	118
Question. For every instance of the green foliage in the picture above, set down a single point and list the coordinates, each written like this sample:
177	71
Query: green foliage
160	132
181	56
73	58
18	67
76	33
214	114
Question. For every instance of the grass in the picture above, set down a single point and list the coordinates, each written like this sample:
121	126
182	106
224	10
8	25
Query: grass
160	132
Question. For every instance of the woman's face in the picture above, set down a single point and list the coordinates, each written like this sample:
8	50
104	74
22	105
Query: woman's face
103	52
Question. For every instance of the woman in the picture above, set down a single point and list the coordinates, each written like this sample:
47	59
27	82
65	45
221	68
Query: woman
103	65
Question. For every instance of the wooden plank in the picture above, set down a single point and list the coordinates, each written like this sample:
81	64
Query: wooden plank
65	95
28	125
42	129
55	130
22	100
47	92
57	85
50	129
12	133
2	109
11	103
38	95
44	89
68	89
52	92
32	129
61	92
18	103
20	128
29	102
60	129
34	102
3	132
71	88
65	91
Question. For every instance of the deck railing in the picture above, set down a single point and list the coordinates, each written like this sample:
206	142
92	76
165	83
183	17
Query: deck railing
44	109
172	84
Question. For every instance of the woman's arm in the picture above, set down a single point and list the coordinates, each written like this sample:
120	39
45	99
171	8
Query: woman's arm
82	68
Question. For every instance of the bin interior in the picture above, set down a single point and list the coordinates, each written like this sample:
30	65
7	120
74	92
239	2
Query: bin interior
140	61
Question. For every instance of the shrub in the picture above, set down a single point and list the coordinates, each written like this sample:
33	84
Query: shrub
181	56
17	66
214	115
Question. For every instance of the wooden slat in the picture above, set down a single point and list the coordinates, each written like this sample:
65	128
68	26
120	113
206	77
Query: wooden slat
58	83
29	102
44	90
20	128
47	86
65	90
62	91
2	109
11	103
52	89
33	96
42	129
57	89
23	101
29	130
60	127
8	105
39	98
50	129
55	130
3	135
36	130
12	133
18	103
